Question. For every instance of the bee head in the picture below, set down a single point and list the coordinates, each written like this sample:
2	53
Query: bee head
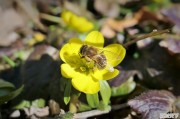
83	49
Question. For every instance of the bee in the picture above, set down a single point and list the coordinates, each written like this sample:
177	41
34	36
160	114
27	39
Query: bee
91	53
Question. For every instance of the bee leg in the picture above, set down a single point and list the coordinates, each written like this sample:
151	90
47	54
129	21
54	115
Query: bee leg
88	59
81	56
101	53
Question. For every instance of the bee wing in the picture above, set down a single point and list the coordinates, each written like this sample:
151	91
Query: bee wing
112	56
109	68
114	53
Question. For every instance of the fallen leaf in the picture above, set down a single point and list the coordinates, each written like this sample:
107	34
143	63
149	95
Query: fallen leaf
28	11
119	25
173	14
172	45
150	104
177	104
42	112
153	72
15	114
142	15
108	32
123	76
7	27
43	49
54	107
108	8
34	111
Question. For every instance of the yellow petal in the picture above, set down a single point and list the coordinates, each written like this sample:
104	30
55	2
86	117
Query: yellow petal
110	75
85	26
105	74
81	24
75	45
114	53
66	16
64	52
71	49
67	71
85	83
95	38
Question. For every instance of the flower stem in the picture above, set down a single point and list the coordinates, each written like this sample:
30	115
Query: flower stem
73	104
9	61
154	33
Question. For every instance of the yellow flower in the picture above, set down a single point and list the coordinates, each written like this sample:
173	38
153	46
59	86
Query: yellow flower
37	37
85	76
78	23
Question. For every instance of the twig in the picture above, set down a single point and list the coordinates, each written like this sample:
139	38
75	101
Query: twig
120	106
154	33
98	112
90	114
168	36
51	18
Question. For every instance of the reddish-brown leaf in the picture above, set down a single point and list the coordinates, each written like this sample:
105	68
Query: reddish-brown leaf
152	103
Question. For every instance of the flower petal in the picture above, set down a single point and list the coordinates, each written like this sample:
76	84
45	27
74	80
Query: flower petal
75	45
66	16
95	38
81	24
86	84
64	52
110	75
114	53
67	71
70	49
105	74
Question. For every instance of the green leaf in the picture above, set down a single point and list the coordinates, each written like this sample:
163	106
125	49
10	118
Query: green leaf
5	91
83	107
67	92
11	95
5	84
93	100
39	103
67	115
5	87
126	88
105	92
9	61
102	106
23	104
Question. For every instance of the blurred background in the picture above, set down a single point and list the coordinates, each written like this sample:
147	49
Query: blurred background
32	32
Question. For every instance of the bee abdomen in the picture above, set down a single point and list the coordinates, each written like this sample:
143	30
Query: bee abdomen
101	61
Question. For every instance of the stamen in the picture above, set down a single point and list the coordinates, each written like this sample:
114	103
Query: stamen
83	69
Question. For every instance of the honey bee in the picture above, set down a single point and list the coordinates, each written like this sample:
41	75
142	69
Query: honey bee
91	53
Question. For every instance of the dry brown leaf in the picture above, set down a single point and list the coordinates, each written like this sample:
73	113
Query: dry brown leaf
43	49
28	11
54	107
108	8
150	104
7	27
173	46
108	32
77	9
140	16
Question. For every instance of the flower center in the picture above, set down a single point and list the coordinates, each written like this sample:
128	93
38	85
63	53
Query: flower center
83	69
